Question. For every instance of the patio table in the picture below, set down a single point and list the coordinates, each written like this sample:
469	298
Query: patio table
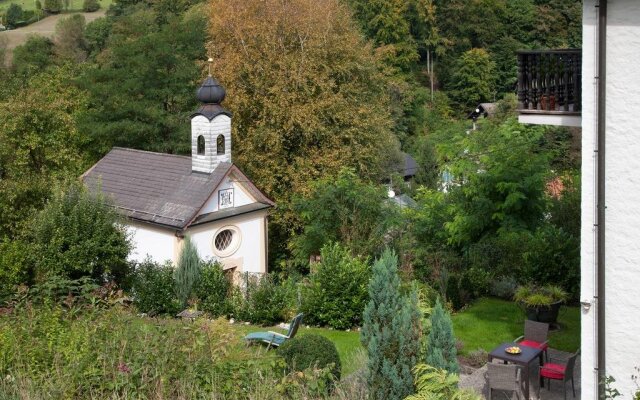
524	359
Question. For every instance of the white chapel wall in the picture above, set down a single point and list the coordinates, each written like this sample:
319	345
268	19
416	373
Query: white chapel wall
251	254
151	241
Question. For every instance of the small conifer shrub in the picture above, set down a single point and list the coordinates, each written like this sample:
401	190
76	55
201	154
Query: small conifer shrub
187	273
441	343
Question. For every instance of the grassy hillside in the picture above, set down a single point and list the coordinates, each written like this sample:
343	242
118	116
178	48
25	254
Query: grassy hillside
74	5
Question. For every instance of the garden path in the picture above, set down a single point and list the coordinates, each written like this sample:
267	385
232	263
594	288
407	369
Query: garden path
478	381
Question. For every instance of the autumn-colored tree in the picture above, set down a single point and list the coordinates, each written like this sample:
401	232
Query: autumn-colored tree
305	91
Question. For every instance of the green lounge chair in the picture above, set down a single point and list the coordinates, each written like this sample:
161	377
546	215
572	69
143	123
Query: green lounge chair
274	338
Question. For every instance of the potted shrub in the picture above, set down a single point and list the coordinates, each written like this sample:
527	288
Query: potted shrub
541	304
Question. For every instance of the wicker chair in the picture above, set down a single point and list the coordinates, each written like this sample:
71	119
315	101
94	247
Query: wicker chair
535	335
560	372
505	378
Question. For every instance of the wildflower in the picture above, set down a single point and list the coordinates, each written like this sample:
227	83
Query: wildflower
124	368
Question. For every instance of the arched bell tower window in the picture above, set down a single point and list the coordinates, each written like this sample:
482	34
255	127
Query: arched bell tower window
201	145
220	144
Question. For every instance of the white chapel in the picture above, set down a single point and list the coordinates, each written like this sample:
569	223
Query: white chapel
166	197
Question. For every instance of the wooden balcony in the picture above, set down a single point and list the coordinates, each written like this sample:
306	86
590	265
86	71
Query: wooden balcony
550	84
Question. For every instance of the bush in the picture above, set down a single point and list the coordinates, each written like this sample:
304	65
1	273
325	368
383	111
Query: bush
90	5
504	287
15	266
153	291
52	6
77	234
187	274
553	257
337	291
441	344
311	351
213	289
475	282
13	15
265	301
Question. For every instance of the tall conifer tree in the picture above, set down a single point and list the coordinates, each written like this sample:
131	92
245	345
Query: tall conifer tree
391	332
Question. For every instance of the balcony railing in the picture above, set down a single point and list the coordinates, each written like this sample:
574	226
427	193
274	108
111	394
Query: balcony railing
549	81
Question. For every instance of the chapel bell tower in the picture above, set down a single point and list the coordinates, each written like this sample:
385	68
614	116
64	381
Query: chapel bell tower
210	128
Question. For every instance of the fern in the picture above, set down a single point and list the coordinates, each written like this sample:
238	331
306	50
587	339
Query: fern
437	384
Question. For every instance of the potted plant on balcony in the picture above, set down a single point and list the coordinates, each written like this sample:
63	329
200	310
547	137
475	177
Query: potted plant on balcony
541	303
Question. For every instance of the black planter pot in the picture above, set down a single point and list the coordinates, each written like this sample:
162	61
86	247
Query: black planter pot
548	314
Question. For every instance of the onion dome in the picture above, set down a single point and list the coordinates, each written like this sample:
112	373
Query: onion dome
210	92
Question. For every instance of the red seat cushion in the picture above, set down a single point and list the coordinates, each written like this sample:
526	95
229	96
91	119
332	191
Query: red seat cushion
552	371
537	345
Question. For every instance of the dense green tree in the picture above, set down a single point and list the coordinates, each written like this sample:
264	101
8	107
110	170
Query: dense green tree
473	79
343	209
385	22
306	93
97	34
33	56
441	344
39	144
187	272
69	39
337	289
78	234
390	332
13	15
143	87
498	184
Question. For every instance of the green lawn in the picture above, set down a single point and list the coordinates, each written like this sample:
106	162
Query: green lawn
74	5
489	322
485	324
347	343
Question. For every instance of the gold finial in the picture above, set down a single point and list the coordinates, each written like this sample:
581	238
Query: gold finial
210	61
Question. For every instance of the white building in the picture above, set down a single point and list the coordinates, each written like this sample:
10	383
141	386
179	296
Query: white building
166	197
609	112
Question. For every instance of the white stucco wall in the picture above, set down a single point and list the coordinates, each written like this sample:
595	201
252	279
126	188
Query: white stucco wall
160	244
622	240
250	256
240	196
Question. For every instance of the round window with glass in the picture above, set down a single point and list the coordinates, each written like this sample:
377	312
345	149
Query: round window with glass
226	241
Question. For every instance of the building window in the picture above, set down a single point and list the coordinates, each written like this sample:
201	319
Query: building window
201	145
220	143
226	241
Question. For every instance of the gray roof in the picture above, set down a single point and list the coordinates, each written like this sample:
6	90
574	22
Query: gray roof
157	188
408	167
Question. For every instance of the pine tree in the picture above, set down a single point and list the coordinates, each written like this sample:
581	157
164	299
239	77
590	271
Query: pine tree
187	273
391	332
441	345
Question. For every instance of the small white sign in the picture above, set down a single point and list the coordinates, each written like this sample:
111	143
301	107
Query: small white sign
225	198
